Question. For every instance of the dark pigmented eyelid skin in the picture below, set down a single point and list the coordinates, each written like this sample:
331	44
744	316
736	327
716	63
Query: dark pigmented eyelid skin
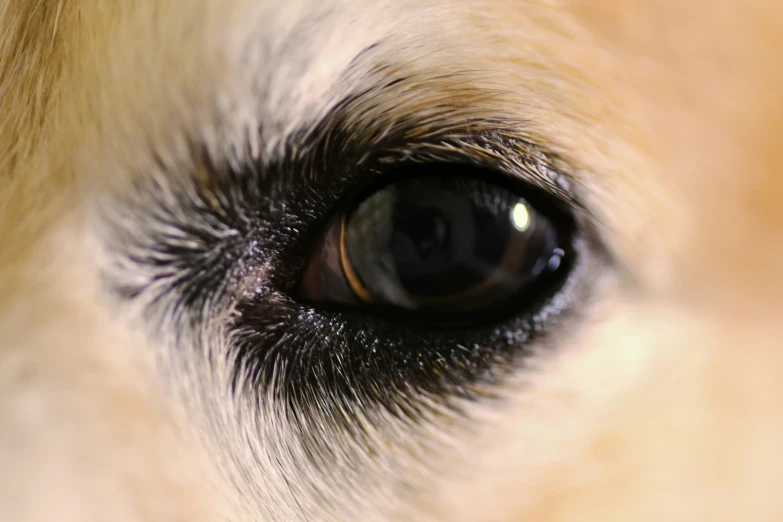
360	356
275	213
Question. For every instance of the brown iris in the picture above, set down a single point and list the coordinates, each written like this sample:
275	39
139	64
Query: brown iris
435	245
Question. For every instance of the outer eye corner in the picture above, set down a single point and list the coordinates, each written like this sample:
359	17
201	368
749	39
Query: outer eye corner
439	245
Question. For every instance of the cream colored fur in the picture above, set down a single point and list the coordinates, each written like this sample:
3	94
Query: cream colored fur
666	403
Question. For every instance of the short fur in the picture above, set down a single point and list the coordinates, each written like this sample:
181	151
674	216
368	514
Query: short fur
134	139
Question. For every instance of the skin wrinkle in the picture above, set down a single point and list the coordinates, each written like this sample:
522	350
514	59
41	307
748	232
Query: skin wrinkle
657	398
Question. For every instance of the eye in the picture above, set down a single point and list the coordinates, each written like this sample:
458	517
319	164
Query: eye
443	243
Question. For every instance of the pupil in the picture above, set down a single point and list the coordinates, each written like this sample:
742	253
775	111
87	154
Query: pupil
442	243
427	231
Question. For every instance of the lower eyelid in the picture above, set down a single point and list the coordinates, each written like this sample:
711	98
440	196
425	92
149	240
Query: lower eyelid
365	352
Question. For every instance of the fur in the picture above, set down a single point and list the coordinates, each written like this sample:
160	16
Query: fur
159	160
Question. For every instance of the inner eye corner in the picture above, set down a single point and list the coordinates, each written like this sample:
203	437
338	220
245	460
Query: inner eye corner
431	244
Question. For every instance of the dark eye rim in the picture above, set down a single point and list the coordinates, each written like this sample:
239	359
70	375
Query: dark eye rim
557	211
352	355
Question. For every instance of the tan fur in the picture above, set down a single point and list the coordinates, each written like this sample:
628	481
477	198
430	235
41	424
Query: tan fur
666	405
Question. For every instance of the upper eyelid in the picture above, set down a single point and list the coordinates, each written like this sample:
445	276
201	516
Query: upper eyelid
497	149
494	144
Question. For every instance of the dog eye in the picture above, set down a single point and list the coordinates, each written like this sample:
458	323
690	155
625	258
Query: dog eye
441	243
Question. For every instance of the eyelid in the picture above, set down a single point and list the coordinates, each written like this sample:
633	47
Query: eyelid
517	158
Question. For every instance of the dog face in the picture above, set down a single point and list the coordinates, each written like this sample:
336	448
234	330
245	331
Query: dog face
198	214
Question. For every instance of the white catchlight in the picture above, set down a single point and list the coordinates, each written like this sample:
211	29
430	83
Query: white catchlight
520	216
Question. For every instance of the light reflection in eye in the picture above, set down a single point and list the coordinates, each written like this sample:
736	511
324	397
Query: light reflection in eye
520	216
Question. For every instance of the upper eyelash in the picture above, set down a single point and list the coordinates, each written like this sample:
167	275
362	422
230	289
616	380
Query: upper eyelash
489	143
511	155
